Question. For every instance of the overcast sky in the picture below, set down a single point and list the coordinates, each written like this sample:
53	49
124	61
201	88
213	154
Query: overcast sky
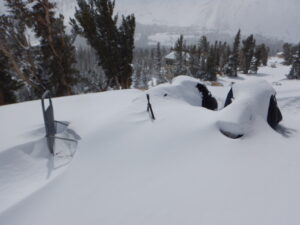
278	18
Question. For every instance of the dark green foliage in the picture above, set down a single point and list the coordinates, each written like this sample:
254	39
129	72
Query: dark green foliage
181	56
264	54
204	46
158	65
15	46
203	49
211	70
58	52
232	66
194	65
288	53
247	53
47	65
257	59
8	85
295	71
113	45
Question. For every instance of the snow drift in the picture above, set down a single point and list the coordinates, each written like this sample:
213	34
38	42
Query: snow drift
244	103
178	169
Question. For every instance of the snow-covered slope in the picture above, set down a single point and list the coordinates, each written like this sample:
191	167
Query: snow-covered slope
178	169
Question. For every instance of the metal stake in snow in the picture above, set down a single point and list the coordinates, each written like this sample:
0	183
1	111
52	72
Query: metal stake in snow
149	108
51	124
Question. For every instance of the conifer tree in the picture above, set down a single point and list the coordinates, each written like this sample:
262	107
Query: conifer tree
58	52
224	56
194	62
264	54
211	70
288	54
15	46
232	66
204	48
113	44
295	71
8	84
253	65
180	54
247	53
158	65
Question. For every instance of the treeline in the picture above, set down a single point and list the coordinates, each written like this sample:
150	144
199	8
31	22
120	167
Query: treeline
204	61
36	52
291	55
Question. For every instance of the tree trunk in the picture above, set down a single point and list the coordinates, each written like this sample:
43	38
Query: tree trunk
2	101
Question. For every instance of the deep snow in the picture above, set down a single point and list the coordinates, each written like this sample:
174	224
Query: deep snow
128	169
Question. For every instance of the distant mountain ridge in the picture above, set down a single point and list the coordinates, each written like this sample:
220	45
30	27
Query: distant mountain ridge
271	18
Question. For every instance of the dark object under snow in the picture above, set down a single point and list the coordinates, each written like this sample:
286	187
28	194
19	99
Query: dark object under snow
208	101
149	108
50	123
274	115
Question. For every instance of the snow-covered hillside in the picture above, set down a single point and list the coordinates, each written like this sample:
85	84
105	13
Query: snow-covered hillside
128	169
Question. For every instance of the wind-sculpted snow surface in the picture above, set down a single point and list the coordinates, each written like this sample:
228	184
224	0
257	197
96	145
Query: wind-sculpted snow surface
250	100
178	169
182	89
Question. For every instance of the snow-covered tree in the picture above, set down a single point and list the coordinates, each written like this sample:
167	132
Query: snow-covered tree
58	53
113	44
247	53
288	53
181	56
8	85
295	71
232	66
158	65
253	65
194	64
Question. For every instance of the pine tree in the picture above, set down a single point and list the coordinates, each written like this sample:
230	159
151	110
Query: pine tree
225	53
288	54
231	69
136	77
203	48
264	54
16	47
126	44
295	71
158	65
58	52
194	65
180	53
114	45
247	53
8	85
211	70
253	65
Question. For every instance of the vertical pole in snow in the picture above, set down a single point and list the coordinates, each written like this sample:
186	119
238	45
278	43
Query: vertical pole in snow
149	108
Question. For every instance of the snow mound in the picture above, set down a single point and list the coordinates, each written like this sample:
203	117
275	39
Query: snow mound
255	92
251	101
182	88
